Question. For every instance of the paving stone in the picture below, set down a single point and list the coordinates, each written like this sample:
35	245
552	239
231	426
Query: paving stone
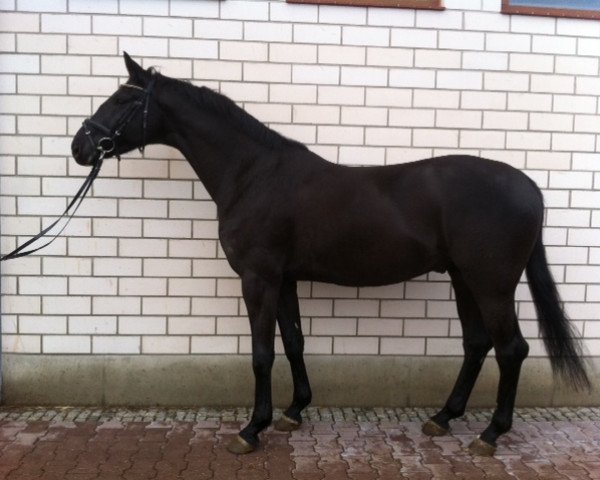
332	443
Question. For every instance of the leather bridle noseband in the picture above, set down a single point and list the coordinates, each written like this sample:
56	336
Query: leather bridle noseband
108	142
105	145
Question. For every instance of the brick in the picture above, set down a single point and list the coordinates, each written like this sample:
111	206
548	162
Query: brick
19	63
387	136
283	12
573	141
361	155
553	83
392	17
165	306
21	343
553	44
573	104
442	20
412	78
505	120
167	27
576	65
63	105
246	92
268	32
270	112
42	325
146	325
315	74
402	346
491	22
435	99
66	344
214	344
426	328
587	46
551	122
142	286
116	25
72	304
371	36
413	38
484	100
380	326
121	305
192	286
167	267
340	95
218	29
530	102
73	23
355	346
293	94
193	48
217	70
165	345
140	7
67	266
319	34
347	15
461	40
91	6
342	55
41	43
388	97
241	10
113	344
458	119
19	22
332	326
93	286
64	64
291	53
191	325
144	46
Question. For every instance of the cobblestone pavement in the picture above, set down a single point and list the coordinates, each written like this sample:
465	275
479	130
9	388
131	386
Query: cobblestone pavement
332	444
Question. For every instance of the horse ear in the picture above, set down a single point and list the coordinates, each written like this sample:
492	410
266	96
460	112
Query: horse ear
136	72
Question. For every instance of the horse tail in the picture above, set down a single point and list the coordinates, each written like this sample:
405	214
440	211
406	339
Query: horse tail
560	338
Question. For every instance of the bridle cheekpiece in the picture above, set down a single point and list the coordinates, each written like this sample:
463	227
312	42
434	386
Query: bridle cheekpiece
108	142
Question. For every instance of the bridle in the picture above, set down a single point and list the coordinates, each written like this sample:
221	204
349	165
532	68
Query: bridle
104	145
108	142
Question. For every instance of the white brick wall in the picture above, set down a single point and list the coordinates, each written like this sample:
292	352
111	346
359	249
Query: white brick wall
140	270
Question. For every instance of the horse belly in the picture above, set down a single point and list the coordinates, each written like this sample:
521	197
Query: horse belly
353	262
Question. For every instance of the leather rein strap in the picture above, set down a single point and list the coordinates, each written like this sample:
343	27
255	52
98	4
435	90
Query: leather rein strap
105	145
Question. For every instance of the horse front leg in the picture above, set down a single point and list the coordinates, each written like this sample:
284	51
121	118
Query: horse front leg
261	298
288	318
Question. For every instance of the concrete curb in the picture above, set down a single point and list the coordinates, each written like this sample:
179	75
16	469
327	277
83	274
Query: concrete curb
224	380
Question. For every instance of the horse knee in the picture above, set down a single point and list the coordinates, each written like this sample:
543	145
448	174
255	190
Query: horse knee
515	352
262	361
477	349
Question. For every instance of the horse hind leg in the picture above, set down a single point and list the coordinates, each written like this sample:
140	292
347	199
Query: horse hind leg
288	318
476	343
511	350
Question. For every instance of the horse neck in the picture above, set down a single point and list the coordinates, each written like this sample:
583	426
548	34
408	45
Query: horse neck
222	157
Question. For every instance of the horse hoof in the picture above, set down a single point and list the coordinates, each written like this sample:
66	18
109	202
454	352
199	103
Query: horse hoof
286	424
240	446
433	429
481	448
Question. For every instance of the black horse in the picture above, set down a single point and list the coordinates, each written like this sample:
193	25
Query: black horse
285	215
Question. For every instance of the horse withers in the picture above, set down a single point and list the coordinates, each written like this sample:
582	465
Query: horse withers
286	215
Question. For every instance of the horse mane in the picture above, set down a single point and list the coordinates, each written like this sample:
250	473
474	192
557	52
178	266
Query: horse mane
236	116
